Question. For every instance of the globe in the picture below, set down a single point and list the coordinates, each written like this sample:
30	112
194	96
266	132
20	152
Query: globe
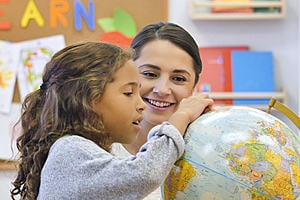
236	153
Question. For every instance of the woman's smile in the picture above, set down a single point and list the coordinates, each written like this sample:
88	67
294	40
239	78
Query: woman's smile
158	105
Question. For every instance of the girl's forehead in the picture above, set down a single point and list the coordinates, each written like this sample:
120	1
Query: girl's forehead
127	73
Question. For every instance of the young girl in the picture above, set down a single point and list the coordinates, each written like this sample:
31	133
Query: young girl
90	99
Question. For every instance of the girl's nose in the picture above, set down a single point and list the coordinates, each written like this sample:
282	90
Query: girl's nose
141	104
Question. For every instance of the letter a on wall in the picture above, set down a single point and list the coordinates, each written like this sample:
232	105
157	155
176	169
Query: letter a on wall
32	12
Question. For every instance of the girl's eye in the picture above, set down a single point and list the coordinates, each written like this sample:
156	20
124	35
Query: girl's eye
128	94
149	74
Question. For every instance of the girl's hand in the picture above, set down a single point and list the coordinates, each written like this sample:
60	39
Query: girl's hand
190	109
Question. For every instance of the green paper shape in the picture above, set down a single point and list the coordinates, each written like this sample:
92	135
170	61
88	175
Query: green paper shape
107	24
124	23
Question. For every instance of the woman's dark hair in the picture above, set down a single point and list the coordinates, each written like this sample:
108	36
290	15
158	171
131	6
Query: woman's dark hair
173	33
72	80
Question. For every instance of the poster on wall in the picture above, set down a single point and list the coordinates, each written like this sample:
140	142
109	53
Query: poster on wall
34	54
8	70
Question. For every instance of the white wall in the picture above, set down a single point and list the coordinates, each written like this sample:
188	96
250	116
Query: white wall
281	36
6	177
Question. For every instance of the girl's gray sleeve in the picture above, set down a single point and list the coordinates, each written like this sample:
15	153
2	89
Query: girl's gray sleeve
77	168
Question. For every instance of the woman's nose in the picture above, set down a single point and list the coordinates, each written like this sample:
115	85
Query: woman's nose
162	88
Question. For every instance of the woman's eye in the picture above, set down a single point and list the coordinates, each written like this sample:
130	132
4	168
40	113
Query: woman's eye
179	79
149	74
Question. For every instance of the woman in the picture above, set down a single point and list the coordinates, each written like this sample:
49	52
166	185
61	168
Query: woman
169	64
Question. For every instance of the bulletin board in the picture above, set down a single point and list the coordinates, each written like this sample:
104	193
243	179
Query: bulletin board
12	12
143	11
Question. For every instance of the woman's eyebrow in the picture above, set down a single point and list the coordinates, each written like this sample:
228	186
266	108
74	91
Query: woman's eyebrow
149	65
181	71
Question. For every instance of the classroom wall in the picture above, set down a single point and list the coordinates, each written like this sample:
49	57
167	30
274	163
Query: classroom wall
281	36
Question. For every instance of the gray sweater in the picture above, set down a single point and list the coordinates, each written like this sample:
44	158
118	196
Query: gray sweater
77	168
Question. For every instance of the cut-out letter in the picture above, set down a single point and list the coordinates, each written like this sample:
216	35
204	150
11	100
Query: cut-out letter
4	25
32	12
57	9
88	16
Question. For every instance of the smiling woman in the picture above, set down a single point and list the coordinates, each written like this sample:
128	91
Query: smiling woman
167	76
169	64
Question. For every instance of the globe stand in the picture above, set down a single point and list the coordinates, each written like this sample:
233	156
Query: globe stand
273	103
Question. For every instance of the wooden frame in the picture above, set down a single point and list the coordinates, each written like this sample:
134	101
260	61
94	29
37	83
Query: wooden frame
8	165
